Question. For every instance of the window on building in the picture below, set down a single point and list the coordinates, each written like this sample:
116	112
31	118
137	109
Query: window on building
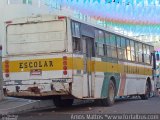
14	1
19	2
27	1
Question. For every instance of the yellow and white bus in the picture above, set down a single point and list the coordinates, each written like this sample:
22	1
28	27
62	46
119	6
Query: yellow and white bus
63	58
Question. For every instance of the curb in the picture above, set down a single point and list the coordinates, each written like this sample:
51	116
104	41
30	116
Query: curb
28	106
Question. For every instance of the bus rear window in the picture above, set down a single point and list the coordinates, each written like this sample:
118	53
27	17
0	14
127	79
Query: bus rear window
36	37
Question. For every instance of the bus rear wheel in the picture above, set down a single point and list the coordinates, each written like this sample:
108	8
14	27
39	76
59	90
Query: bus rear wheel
109	101
147	92
59	102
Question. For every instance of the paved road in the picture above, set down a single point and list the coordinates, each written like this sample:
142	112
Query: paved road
135	106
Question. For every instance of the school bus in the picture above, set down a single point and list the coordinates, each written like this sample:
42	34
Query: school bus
62	58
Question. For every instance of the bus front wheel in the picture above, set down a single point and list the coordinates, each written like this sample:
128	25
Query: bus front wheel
59	102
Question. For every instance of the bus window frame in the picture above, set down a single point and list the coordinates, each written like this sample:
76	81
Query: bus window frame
128	50
76	37
132	51
99	42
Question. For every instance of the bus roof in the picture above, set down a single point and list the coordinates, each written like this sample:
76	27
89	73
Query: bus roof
50	17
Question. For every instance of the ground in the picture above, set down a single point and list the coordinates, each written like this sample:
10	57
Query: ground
124	106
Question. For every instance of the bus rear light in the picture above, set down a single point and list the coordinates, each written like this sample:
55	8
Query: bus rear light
64	62
61	17
65	68
6	66
6	70
64	72
65	65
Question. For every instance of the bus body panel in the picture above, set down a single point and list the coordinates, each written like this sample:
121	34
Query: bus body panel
46	72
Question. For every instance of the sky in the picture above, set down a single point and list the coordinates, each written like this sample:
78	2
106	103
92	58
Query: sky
138	16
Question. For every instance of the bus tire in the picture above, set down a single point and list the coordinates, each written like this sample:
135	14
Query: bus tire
58	102
109	101
147	92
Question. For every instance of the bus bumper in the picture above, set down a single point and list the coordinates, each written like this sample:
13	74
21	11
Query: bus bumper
38	89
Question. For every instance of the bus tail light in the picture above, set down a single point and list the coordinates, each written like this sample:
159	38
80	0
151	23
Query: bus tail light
6	70
64	72
65	65
61	17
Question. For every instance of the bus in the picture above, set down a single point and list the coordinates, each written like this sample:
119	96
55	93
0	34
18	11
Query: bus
62	58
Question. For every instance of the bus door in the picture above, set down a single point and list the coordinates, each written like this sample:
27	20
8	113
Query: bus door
88	75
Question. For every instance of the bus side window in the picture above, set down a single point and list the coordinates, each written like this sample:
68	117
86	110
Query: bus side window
75	26
140	52
147	55
99	39
113	45
144	54
128	48
100	49
76	44
136	51
132	50
120	54
123	46
75	29
151	50
107	45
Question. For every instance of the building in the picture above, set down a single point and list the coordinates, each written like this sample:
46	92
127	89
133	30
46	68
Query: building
15	9
19	8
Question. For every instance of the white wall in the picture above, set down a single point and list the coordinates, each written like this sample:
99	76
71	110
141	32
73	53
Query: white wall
12	11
